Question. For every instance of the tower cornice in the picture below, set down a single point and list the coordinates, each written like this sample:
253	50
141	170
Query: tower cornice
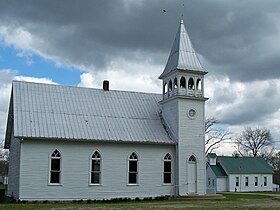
178	70
182	97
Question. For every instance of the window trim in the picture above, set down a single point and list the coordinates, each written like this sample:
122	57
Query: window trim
100	170
60	168
137	167
163	172
256	181
265	181
237	181
246	181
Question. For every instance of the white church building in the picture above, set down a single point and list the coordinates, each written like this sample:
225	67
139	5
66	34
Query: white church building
70	143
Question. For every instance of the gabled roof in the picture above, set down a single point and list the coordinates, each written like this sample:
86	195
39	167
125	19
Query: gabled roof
182	55
244	165
218	170
212	155
58	112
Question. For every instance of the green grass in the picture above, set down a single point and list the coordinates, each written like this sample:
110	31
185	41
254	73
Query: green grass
231	201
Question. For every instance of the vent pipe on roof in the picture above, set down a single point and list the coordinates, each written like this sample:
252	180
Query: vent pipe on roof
106	85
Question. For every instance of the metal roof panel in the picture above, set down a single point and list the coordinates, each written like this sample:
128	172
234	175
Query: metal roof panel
59	112
182	55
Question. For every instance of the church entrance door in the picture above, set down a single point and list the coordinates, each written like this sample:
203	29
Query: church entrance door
192	175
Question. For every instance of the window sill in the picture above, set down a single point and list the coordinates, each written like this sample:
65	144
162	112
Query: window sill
92	185
132	184
167	184
54	184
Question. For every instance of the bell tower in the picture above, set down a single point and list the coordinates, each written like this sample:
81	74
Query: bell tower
183	113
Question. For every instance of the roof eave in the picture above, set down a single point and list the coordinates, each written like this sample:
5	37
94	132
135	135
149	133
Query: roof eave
23	138
183	70
10	124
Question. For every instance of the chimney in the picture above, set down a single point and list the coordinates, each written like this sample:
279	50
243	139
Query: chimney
106	85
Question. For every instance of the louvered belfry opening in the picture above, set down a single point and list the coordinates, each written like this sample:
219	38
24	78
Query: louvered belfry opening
106	85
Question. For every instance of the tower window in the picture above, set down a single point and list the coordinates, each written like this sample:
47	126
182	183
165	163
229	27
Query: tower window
182	82
175	83
167	169
170	86
133	169
198	84
55	167
191	83
165	88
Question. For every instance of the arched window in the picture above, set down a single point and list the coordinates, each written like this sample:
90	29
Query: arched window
192	159
170	86
167	169
182	82
95	168
191	83
198	84
133	169
175	83
55	167
165	88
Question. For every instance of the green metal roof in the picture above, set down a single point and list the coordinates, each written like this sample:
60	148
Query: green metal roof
218	170
245	165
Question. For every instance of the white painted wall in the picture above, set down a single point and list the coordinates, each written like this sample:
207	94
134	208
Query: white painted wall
191	142
190	135
34	176
14	168
251	187
170	114
222	184
211	186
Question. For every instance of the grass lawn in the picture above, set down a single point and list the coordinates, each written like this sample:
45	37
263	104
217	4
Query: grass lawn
231	201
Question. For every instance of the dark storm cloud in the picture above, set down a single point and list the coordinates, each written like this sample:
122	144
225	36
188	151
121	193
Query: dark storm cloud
229	34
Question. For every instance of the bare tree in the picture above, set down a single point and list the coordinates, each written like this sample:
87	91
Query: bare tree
254	142
4	153
214	135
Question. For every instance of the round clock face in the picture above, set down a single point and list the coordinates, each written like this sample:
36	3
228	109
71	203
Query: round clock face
191	113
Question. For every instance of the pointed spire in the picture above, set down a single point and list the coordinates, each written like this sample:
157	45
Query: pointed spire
182	55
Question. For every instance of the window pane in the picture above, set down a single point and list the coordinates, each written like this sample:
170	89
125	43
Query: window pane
55	164
96	155
132	166
95	165
95	177
132	178
167	166
167	178
55	177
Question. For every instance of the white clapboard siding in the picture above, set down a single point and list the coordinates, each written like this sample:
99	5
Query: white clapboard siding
14	167
251	185
76	170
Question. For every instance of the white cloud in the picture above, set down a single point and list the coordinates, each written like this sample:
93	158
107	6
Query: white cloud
34	79
242	104
18	37
121	77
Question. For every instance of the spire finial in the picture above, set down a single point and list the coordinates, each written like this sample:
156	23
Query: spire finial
182	15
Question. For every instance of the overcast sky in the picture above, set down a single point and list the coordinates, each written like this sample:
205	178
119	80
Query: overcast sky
81	43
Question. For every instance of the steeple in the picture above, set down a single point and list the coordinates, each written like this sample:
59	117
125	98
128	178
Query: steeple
182	55
183	74
183	113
